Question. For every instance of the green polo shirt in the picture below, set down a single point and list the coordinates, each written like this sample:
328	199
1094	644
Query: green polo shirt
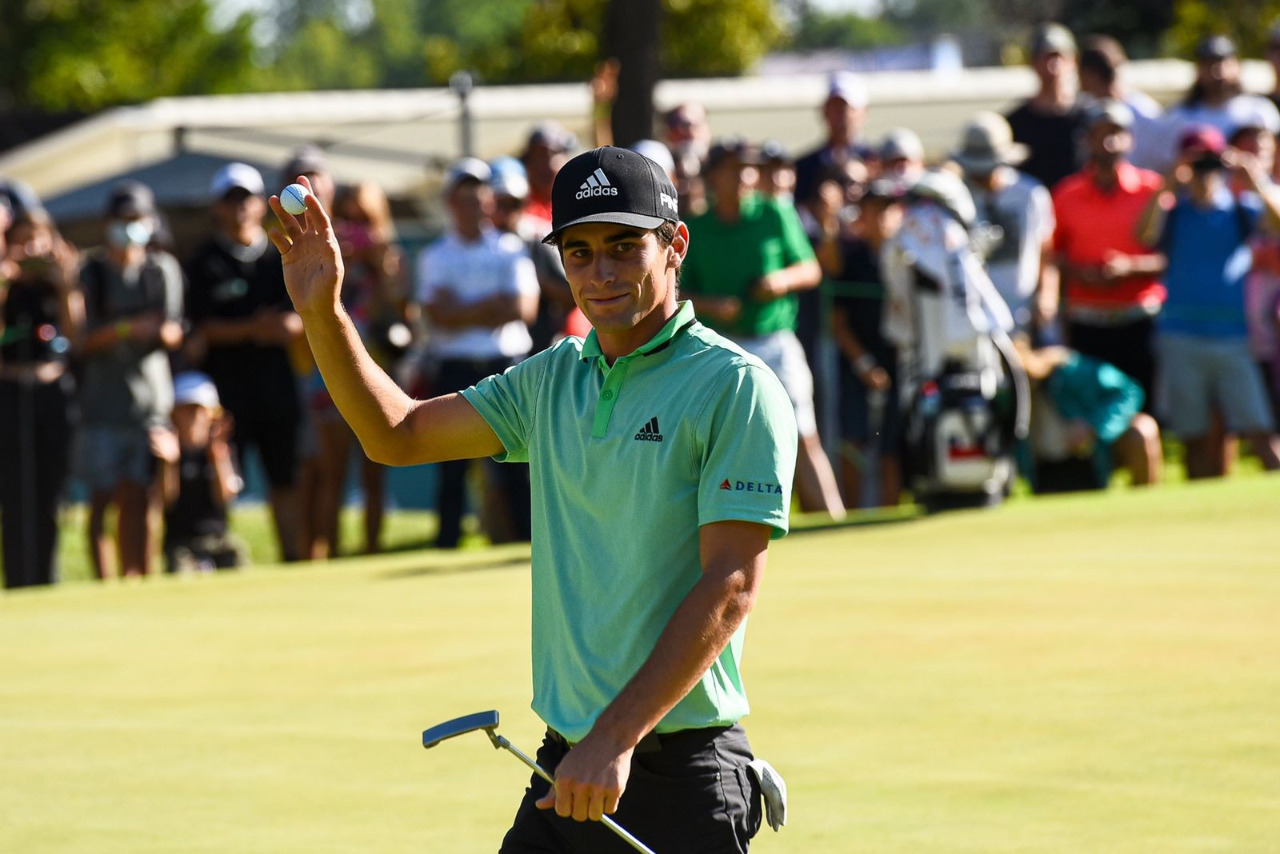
726	259
626	463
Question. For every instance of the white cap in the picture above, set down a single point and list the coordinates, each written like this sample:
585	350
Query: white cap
467	167
848	87
901	144
508	178
195	387
237	175
948	190
657	152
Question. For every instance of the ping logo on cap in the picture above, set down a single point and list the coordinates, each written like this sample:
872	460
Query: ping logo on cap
597	184
668	202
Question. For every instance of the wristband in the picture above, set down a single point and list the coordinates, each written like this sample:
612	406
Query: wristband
865	363
123	328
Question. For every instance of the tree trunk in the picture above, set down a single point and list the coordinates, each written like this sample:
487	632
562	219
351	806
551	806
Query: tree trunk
631	37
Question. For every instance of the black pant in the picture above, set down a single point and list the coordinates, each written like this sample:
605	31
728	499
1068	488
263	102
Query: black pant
456	375
35	444
689	792
1128	346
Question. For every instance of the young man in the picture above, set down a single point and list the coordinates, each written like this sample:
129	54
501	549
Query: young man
1049	122
1203	335
133	312
661	457
1112	282
240	314
1021	263
479	290
844	112
752	262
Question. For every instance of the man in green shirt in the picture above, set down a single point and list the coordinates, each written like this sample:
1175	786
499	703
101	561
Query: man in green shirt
750	257
660	458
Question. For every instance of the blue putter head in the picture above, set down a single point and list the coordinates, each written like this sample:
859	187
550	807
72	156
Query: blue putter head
487	721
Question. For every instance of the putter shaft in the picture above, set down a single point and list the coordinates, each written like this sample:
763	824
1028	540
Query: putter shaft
499	741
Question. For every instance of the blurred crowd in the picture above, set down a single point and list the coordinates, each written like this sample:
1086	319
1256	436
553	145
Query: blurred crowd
1134	252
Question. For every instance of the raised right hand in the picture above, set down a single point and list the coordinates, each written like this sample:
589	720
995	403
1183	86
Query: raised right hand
309	251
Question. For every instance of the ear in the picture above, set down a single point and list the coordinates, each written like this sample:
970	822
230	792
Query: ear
679	247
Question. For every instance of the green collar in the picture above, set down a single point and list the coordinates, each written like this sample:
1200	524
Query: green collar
681	320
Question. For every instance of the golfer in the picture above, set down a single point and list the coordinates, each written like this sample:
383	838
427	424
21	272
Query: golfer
661	458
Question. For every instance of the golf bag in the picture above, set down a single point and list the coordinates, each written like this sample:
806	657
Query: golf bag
964	394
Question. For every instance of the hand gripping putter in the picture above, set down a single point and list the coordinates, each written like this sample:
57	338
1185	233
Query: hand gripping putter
488	721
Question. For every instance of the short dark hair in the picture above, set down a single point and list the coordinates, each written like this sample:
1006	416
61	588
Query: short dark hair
1102	55
666	233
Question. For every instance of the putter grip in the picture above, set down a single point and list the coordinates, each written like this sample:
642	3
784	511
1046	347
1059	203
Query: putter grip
623	833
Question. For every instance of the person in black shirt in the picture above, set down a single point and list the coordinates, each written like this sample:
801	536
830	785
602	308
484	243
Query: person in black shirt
41	312
870	416
244	323
198	481
1051	123
843	112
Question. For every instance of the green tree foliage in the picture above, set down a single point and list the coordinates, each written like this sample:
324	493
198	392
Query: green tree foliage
82	54
816	29
1247	22
716	37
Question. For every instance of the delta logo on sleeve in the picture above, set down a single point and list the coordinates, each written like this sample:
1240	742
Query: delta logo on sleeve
763	487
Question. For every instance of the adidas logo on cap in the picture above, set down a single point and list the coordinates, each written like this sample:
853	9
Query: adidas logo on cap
597	184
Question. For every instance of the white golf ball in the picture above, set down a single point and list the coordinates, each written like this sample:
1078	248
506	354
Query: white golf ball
293	199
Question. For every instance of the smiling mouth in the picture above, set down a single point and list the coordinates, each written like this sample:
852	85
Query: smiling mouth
606	300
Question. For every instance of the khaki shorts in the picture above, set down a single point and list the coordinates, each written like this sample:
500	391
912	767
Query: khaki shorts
784	355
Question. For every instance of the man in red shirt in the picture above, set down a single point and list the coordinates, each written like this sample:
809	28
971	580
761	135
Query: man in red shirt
1111	281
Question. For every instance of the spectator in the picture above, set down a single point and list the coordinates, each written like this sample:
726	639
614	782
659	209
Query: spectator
510	216
244	323
870	413
1204	350
1050	123
133	314
688	137
902	156
748	259
19	198
511	198
310	162
1273	57
1101	70
658	153
1111	279
1020	263
198	481
41	312
843	112
1086	422
1216	98
479	290
545	151
1262	291
373	296
777	172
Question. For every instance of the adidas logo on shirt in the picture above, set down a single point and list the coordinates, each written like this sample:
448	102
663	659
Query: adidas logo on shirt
596	185
649	432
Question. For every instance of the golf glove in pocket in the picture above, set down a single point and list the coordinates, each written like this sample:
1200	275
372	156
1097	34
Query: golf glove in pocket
774	790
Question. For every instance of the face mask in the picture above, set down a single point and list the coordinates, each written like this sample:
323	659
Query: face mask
137	232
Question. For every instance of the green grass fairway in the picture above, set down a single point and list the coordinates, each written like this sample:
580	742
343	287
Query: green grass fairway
1084	674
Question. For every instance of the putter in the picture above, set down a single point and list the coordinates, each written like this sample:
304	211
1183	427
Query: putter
488	721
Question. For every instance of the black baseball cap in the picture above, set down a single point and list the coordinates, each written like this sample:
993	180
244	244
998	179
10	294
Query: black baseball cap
611	185
1215	47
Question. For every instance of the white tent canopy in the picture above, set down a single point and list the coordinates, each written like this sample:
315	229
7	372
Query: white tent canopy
401	138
